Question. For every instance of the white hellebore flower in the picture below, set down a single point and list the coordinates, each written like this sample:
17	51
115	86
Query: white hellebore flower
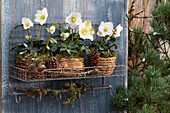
118	29
86	31
74	19
52	29
65	35
27	23
105	29
41	16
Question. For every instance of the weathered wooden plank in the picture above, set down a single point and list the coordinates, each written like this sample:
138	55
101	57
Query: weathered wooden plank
25	8
146	6
7	23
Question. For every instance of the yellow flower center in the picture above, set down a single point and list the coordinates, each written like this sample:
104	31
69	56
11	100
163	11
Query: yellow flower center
73	19
52	30
27	24
42	16
85	31
105	29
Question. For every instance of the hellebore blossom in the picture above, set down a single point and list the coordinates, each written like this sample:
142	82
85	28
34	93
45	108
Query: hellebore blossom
52	29
27	23
65	35
74	19
41	16
86	31
105	29
118	29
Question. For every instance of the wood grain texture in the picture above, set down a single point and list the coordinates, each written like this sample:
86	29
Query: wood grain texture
94	10
146	6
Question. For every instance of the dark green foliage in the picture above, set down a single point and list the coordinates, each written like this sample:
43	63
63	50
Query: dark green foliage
147	92
161	24
105	48
26	46
148	81
137	45
68	48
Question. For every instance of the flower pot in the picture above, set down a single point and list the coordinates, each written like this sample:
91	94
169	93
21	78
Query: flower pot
64	65
75	63
59	70
108	65
24	73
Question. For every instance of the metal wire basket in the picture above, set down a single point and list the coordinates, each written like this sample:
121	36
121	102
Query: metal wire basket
17	36
63	73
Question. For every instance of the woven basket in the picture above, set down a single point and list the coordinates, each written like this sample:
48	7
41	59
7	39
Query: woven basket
24	73
75	63
106	62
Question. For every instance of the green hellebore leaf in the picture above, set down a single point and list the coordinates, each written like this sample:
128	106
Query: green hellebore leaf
21	53
67	31
55	25
63	45
115	46
54	48
62	29
48	29
52	40
34	50
25	45
74	51
62	49
71	43
83	48
68	51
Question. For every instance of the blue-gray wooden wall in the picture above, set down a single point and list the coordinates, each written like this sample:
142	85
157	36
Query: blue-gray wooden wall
94	10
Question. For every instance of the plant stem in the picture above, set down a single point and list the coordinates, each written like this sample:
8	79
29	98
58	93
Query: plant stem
72	34
39	31
104	39
47	42
31	40
77	40
119	111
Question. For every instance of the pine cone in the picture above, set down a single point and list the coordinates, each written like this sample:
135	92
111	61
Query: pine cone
85	85
54	93
93	58
31	67
83	90
44	91
64	102
30	95
51	62
67	84
50	94
41	68
38	93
